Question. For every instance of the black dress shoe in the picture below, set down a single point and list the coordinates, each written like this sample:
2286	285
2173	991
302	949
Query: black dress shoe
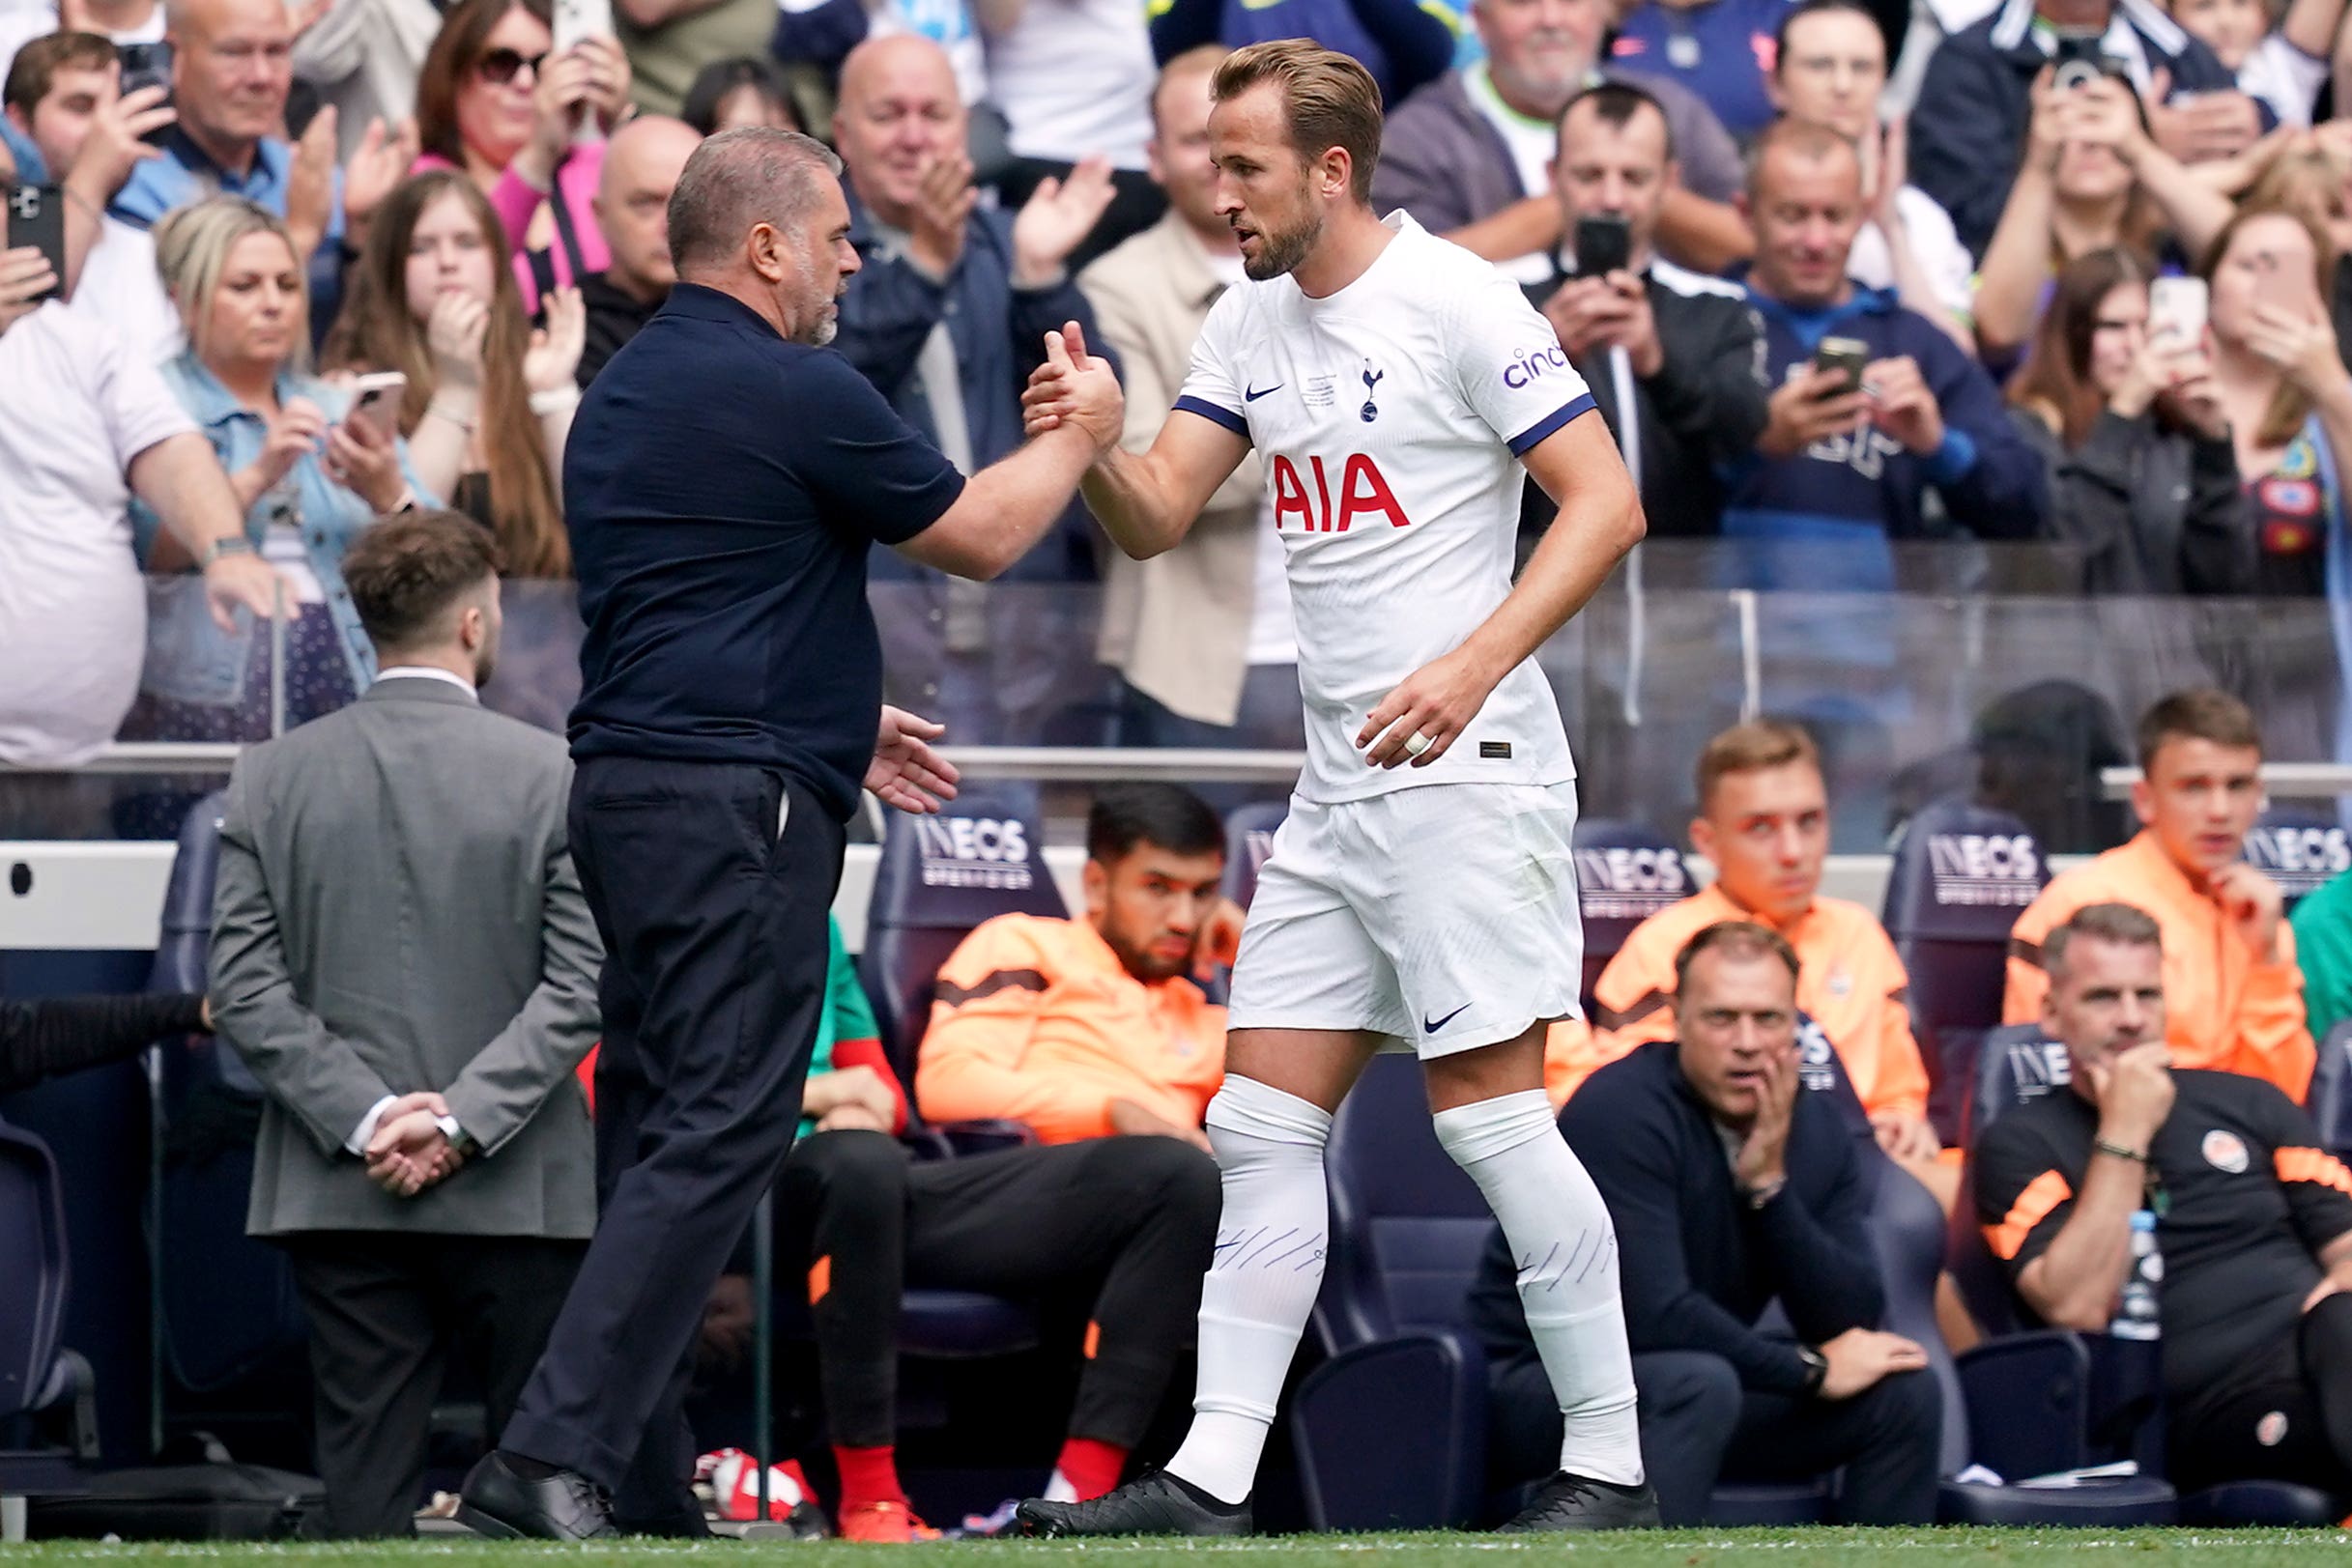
566	1506
1158	1504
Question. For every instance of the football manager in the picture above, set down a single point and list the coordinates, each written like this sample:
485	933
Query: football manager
726	477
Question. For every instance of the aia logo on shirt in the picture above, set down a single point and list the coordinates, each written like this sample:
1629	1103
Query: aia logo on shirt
1362	492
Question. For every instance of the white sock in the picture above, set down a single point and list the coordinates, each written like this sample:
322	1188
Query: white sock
1058	1488
1559	1231
1262	1283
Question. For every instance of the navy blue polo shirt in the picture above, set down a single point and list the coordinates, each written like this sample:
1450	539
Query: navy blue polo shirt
722	486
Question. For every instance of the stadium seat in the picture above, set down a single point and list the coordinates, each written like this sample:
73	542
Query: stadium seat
231	1312
2048	1419
36	1371
1961	876
1248	841
1625	873
2330	1093
2300	847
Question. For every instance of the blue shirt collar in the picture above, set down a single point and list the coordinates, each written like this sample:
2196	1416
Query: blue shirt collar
696	301
1812	326
211	404
272	158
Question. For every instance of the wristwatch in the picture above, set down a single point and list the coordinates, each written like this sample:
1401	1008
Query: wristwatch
234	544
1817	1369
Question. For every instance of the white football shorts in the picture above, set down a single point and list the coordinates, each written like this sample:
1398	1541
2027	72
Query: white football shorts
1444	915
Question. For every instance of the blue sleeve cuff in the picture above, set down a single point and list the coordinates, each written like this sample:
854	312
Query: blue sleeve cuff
1954	459
1215	415
1526	441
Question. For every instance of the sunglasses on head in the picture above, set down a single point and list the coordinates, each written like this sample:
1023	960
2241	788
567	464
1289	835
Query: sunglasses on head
500	66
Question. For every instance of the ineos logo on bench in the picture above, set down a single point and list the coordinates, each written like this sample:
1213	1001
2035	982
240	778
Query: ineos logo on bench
974	852
2300	858
1999	869
1629	884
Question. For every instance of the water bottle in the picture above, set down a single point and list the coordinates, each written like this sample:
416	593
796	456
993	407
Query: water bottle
2136	1314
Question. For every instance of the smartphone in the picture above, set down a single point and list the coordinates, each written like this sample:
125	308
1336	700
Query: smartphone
376	400
2177	309
1844	355
576	19
37	217
147	65
1604	244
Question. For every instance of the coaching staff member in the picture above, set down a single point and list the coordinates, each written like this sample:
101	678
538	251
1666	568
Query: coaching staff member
726	477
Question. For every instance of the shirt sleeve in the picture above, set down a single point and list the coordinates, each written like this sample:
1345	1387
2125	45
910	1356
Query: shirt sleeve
131	396
2317	1187
2022	1199
868	468
1209	388
1509	366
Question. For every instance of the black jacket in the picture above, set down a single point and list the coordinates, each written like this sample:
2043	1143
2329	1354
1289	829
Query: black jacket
1968	127
1705	407
39	1040
2150	510
1699	1265
612	319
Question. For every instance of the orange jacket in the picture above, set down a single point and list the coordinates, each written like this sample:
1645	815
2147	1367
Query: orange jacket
1036	1020
1849	980
2223	1010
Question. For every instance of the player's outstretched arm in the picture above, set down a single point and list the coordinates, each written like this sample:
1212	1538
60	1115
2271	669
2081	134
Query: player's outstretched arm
1600	519
1146	501
1012	503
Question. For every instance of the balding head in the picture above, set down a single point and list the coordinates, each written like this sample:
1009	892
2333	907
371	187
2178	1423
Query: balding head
758	215
898	113
642	166
232	67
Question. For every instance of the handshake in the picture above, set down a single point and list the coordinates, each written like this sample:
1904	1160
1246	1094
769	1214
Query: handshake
409	1151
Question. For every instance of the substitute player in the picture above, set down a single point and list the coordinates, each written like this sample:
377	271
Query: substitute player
1422	886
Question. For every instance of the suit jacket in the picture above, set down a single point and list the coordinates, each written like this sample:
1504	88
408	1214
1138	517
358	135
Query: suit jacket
1176	626
397	910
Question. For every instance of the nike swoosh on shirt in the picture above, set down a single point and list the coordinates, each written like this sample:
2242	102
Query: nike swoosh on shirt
1430	1026
1248	396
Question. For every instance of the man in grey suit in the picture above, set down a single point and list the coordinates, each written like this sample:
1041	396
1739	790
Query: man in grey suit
402	954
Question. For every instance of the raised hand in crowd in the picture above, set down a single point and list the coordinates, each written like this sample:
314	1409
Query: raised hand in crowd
25	280
1813	405
2206	125
570	86
115	145
2175	376
608	80
410	1153
2298	339
455	333
310	186
906	772
294	434
554	354
1057	215
943	205
1592	313
1902	404
363	460
377	166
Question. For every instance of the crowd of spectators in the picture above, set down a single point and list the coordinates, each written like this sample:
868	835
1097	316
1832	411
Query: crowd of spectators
1827	257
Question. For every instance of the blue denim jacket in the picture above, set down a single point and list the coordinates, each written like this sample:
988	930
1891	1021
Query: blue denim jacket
189	658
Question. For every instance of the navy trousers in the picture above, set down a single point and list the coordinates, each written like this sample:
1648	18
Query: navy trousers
709	883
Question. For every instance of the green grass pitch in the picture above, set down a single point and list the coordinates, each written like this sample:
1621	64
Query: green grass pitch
1824	1548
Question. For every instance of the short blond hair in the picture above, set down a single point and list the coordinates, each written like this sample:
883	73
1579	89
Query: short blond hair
192	246
1751	748
1328	99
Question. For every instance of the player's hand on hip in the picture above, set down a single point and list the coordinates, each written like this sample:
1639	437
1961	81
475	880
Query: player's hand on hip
905	771
1419	721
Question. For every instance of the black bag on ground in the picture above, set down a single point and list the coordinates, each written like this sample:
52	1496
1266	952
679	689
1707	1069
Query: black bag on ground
184	1502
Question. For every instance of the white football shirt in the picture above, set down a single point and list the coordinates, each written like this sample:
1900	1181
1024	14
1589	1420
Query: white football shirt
1391	418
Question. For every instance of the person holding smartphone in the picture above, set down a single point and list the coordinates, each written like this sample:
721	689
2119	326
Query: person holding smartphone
2121	400
1668	353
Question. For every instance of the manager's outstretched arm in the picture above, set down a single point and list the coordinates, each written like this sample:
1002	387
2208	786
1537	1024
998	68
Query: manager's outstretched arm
1600	519
1146	501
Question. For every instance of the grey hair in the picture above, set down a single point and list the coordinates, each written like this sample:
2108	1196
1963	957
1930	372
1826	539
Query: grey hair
740	178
